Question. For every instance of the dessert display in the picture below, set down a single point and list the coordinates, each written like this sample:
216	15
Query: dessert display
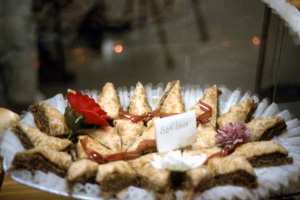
101	144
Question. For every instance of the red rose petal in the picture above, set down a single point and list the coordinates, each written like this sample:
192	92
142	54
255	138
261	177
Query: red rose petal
87	106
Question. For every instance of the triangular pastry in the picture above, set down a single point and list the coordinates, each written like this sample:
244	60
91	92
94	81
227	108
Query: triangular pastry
45	160
138	103
155	180
107	136
128	131
7	119
196	180
82	171
241	112
219	171
205	133
171	101
210	97
91	144
114	177
49	120
31	137
109	100
147	134
265	128
264	154
231	170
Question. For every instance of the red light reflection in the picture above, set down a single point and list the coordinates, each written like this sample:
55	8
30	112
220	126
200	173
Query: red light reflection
118	48
256	40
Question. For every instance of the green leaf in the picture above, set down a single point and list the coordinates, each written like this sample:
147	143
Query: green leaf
74	121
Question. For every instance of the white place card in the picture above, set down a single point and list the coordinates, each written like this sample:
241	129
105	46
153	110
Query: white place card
175	131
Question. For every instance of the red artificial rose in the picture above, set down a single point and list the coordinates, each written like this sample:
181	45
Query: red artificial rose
87	106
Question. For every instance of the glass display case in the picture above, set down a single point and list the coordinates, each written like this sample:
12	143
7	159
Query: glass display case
50	46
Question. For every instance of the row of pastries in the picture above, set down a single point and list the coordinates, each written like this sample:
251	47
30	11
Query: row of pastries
49	150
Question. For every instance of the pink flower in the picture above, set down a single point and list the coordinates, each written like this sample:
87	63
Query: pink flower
232	135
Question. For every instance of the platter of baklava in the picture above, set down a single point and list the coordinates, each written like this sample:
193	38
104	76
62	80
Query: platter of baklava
106	144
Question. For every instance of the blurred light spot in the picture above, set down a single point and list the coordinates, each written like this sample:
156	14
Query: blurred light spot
118	48
256	40
225	43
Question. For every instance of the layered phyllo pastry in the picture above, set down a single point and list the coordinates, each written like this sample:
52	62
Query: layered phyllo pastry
218	171
109	100
206	129
157	181
49	120
264	154
32	137
81	171
115	176
45	160
107	136
265	128
86	147
7	119
171	100
241	112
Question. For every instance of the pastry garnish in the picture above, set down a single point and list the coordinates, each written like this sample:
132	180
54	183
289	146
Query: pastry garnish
177	161
204	118
92	155
82	112
130	155
136	118
86	106
231	136
146	144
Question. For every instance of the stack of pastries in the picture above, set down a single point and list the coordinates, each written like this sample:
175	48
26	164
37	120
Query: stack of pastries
123	150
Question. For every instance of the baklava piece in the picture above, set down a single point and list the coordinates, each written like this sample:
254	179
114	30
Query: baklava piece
198	179
264	154
143	142
265	128
42	159
171	100
157	181
49	120
114	177
206	132
138	103
241	112
231	170
86	146
109	100
218	171
106	136
82	171
128	130
31	137
7	119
